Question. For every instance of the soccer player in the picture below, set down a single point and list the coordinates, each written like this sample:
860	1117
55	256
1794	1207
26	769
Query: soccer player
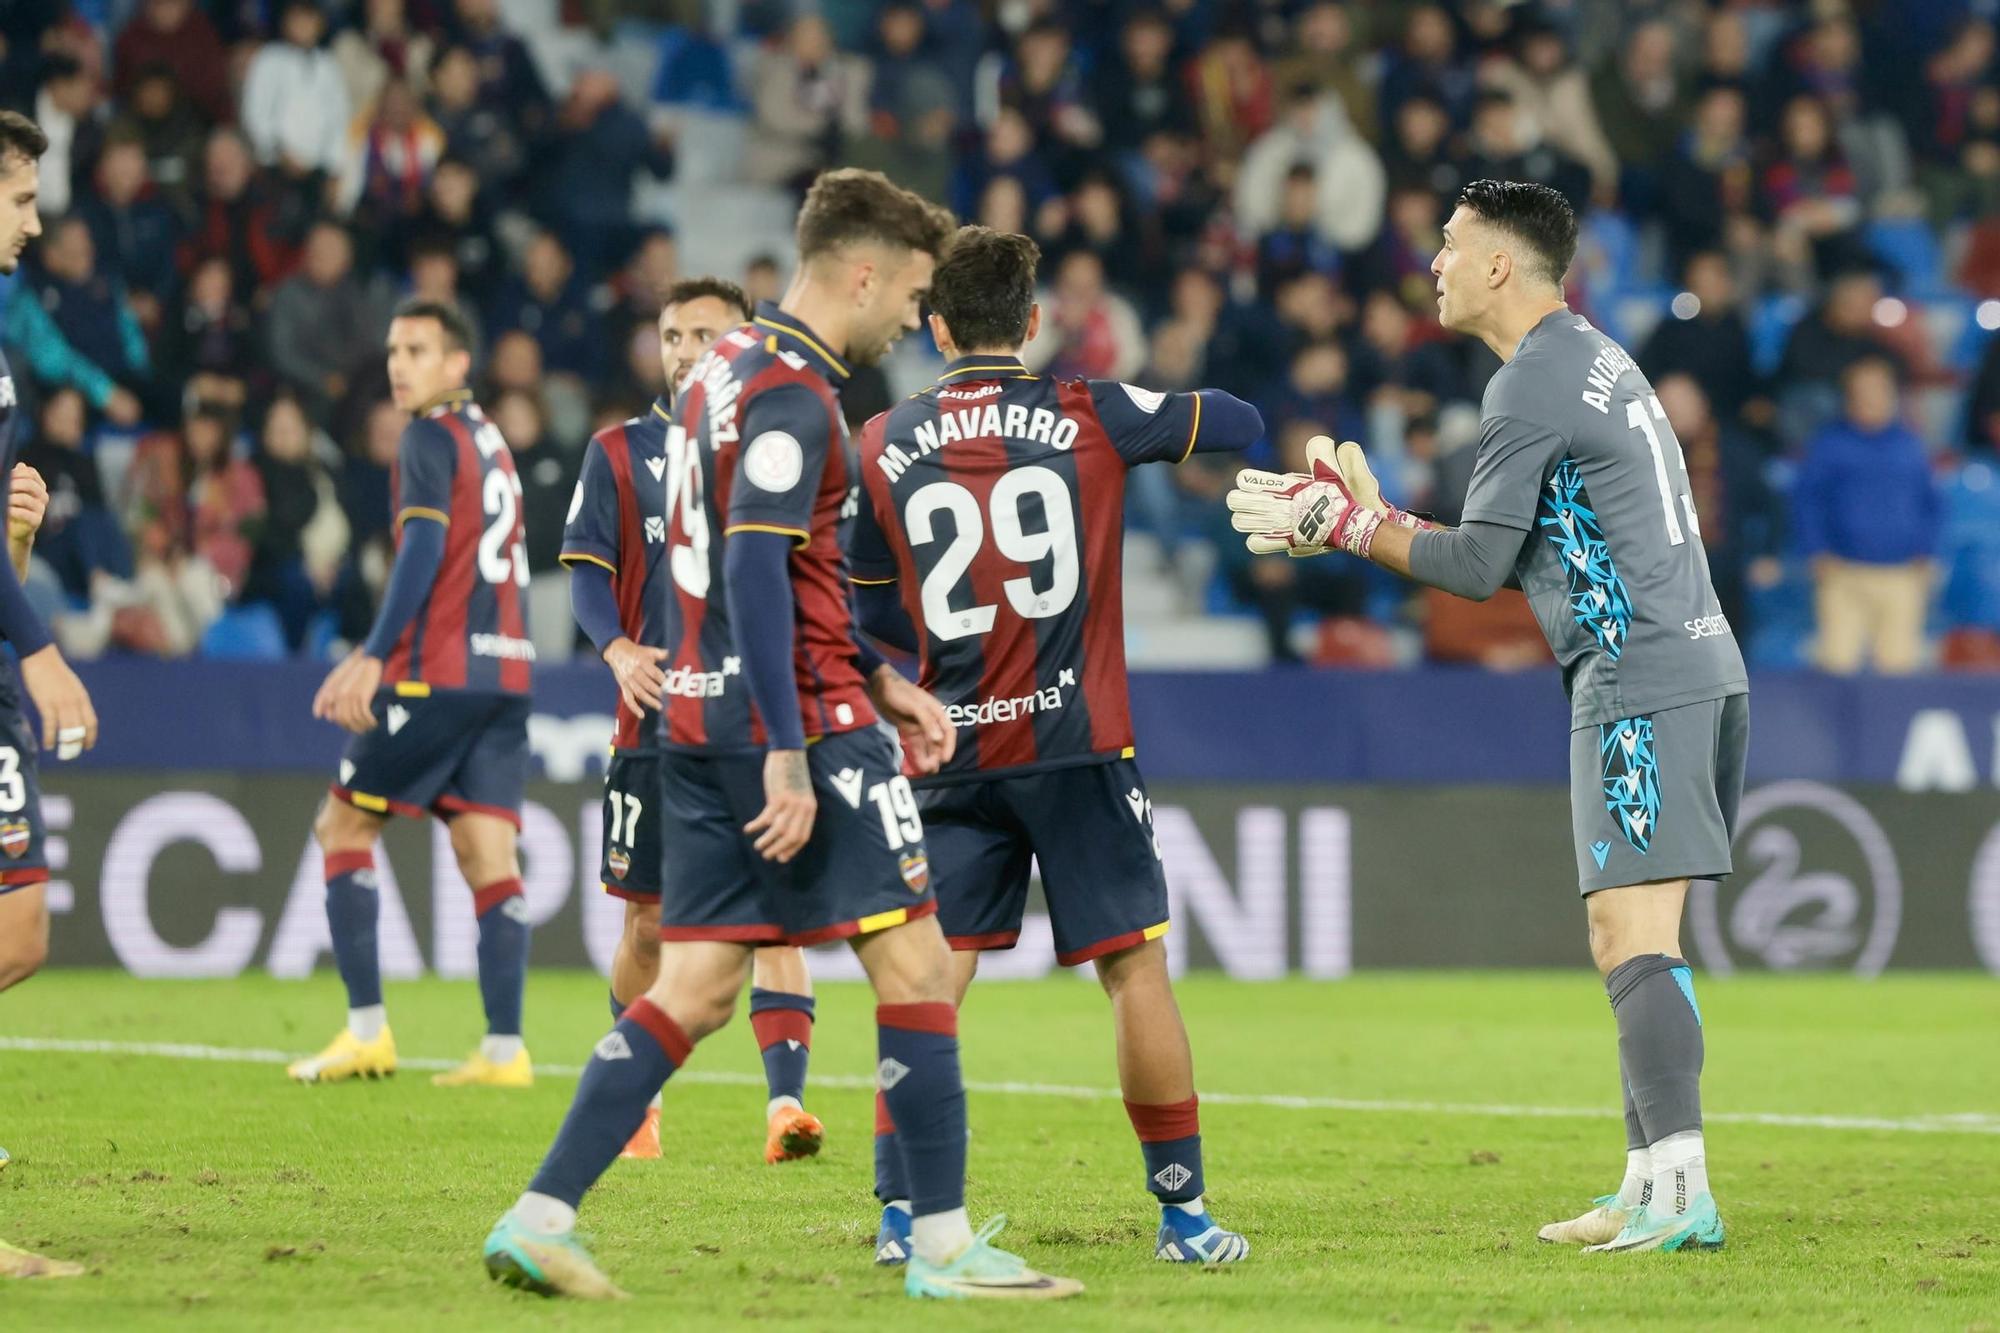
1579	491
614	545
784	817
68	721
995	503
437	699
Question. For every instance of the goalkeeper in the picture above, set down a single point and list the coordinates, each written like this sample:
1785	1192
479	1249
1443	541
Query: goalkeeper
1579	491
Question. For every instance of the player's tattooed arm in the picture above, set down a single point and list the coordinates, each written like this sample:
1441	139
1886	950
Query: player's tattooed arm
784	826
27	503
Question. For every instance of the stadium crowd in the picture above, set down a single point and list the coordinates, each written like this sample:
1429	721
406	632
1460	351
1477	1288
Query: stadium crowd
1791	216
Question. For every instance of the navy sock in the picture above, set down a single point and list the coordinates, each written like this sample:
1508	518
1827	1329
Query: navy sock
503	954
1170	1138
890	1180
783	1023
352	904
919	1078
631	1064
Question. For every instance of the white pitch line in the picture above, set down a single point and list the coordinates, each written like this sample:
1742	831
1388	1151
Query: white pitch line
1969	1122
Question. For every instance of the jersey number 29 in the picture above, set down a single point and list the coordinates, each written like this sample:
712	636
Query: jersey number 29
1056	542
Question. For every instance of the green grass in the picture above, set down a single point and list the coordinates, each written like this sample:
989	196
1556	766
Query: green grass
217	1196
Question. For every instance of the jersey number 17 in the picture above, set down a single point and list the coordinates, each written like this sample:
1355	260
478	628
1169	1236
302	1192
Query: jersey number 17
1650	419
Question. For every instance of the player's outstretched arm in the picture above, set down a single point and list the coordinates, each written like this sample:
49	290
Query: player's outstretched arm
1147	426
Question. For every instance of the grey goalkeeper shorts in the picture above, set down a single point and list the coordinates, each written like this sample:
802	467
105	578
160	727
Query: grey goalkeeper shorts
1655	797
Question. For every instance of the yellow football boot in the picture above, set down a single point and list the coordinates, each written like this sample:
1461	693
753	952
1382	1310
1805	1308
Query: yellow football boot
480	1072
347	1056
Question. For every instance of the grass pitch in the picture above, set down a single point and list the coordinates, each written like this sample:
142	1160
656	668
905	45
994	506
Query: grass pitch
1854	1141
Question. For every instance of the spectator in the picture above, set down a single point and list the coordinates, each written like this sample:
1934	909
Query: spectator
482	135
1044	82
258	231
393	149
761	280
210	330
1968	188
1098	221
548	475
1552	96
1348	177
1865	511
302	539
382	49
1087	332
1811	191
1642	105
1834	336
1706	339
1508	146
1315	390
295	106
1427	64
913	109
1826	63
324	323
1711	176
508	80
806	99
1982	413
170	131
1008	152
1419	157
135	235
636	290
550	302
190	507
71	113
75	328
79	538
1294	245
598	146
176	34
366	504
1741	523
1138	95
1323	54
452	220
1234	96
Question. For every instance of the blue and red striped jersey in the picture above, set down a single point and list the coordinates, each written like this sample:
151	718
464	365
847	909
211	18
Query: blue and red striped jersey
995	501
471	633
757	443
618	519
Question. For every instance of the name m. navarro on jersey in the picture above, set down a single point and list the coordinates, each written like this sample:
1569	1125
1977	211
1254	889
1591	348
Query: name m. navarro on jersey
1015	421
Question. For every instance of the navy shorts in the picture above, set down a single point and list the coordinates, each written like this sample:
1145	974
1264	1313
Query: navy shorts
22	858
1090	831
631	867
865	868
442	752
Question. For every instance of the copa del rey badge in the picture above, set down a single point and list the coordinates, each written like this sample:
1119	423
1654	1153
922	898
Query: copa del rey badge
916	868
15	835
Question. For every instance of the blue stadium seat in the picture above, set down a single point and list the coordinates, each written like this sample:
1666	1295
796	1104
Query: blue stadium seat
1782	616
694	71
1771	321
245	634
1969	547
1910	247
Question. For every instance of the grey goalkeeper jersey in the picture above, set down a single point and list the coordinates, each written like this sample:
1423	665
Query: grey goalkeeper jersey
1576	452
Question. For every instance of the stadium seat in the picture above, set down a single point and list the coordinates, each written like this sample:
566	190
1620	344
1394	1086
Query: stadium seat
1782	620
1910	247
1772	319
245	634
1969	547
694	71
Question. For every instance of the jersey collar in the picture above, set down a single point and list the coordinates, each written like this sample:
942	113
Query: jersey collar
451	400
985	366
663	408
791	332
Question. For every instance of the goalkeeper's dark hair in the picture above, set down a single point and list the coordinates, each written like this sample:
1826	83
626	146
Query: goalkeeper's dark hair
1536	216
722	289
985	288
457	332
20	140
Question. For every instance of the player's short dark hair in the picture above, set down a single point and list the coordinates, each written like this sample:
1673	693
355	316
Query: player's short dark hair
457	332
851	205
693	289
985	287
20	139
1535	215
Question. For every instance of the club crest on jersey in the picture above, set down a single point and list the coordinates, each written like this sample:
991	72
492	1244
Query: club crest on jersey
619	863
916	870
15	835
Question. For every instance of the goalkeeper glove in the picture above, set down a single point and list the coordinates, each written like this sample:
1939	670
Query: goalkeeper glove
1302	515
1352	465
